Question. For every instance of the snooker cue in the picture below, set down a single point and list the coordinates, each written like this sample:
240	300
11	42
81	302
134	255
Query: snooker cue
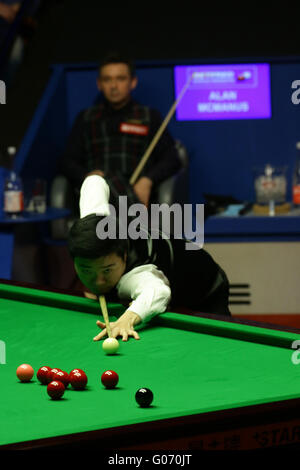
158	134
105	314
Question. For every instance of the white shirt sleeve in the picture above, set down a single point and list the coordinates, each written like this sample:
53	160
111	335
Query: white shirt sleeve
148	288
94	196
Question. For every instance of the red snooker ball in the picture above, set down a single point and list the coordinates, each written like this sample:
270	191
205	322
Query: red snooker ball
55	389
78	380
61	376
25	372
76	370
51	373
42	374
109	378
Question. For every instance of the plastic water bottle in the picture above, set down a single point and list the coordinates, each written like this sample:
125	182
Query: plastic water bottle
13	195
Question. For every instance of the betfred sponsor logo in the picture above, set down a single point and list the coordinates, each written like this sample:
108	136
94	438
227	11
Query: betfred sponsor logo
136	129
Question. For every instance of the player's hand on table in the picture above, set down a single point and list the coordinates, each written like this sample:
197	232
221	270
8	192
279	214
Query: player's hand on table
143	189
124	326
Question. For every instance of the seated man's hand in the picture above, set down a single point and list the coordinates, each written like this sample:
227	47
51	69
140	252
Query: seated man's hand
124	326
143	189
95	172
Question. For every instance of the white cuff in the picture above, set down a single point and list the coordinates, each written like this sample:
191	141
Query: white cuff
148	287
151	303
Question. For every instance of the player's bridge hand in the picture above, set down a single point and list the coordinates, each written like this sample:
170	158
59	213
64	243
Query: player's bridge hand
124	327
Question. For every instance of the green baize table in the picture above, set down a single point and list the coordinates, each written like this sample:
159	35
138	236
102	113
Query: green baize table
217	384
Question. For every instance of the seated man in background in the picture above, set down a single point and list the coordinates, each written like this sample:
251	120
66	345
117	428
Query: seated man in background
110	138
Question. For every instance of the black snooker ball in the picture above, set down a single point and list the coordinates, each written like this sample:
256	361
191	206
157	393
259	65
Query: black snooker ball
144	397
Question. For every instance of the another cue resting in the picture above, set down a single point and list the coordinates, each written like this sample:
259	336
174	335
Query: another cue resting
158	134
105	314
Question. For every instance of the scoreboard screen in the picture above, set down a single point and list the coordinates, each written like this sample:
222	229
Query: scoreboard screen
237	91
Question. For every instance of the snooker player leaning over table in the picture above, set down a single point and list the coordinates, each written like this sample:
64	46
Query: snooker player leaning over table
148	275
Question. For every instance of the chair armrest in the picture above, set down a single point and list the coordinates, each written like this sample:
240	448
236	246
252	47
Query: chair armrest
61	197
175	188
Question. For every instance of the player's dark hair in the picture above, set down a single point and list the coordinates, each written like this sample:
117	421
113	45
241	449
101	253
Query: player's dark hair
116	57
84	242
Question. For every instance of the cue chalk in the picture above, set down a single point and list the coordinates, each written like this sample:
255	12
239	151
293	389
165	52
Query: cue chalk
102	302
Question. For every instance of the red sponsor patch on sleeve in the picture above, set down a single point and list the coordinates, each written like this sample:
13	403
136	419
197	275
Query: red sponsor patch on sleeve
136	129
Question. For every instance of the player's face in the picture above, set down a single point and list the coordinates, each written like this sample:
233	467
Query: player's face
100	275
116	83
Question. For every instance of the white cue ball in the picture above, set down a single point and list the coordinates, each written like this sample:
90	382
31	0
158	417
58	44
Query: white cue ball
110	345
